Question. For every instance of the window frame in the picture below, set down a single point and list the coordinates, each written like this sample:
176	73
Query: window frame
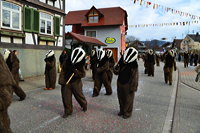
45	19
11	15
91	31
93	16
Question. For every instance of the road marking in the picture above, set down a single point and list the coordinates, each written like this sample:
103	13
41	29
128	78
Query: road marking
170	113
47	123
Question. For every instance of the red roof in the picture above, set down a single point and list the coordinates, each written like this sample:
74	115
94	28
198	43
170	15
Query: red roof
111	16
86	39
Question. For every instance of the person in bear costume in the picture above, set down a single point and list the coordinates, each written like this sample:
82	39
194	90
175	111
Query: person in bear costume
50	70
157	59
127	82
169	66
101	76
70	81
7	85
93	62
13	64
111	60
151	62
145	57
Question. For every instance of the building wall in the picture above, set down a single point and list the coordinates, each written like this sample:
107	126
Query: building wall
31	48
33	64
103	32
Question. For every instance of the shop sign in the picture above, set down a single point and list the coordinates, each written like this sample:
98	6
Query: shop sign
110	40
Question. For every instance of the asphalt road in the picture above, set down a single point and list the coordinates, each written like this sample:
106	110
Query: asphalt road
42	110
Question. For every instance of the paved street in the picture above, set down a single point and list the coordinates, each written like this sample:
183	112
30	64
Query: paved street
187	111
41	111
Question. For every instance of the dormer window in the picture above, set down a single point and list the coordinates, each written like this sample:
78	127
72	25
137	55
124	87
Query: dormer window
93	17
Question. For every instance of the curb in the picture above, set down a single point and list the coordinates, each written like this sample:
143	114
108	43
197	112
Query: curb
167	128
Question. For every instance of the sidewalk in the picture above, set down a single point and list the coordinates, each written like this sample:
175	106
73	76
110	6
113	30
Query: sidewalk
188	75
32	83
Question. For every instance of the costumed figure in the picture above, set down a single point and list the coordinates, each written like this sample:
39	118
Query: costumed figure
101	76
151	62
7	85
70	81
127	82
13	64
50	70
186	59
169	66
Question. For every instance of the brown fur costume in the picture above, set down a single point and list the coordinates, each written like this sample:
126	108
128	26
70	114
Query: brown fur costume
157	60
50	72
93	61
7	84
74	87
186	59
169	67
145	64
13	65
151	63
101	77
110	71
127	84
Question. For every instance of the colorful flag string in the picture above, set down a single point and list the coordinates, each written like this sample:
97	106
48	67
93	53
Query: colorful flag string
165	24
165	9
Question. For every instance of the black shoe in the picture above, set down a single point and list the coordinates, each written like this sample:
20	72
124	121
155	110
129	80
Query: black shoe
21	98
65	115
120	114
108	94
170	83
84	108
125	117
94	95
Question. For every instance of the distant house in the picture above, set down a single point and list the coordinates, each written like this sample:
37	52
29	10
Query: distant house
177	43
109	25
32	27
138	45
191	42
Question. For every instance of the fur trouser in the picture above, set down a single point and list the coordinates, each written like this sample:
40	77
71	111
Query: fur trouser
50	80
74	88
4	122
126	99
99	80
150	70
168	72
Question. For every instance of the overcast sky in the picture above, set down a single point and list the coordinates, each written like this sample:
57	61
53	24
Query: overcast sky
141	15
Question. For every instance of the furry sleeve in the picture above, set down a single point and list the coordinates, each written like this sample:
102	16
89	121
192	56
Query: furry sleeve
62	80
134	80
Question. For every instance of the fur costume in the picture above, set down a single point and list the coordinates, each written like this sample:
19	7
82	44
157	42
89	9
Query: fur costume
13	65
74	86
151	63
186	59
50	71
111	65
7	85
157	60
93	61
101	76
169	67
127	84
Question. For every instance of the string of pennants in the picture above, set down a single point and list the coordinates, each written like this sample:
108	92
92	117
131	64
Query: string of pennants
165	9
166	24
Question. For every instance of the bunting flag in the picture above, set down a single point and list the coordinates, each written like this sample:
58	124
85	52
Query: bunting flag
166	24
165	9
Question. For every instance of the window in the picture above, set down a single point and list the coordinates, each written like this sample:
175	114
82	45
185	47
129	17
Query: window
10	16
91	33
93	17
46	24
